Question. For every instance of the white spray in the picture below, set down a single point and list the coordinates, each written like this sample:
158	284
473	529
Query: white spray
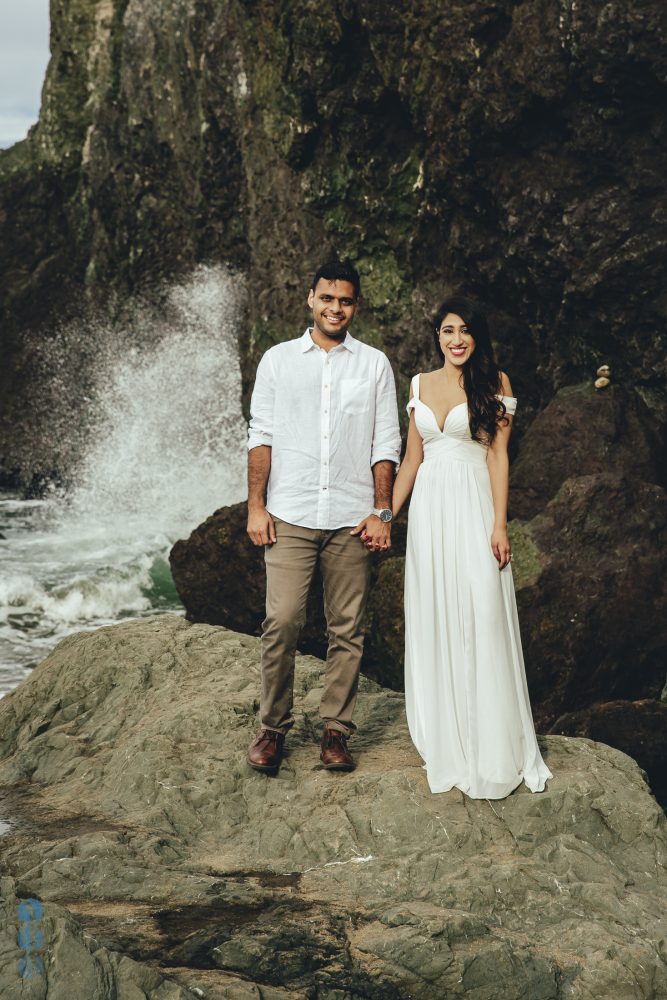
165	447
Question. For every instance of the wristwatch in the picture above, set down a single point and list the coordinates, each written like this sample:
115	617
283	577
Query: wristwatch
384	513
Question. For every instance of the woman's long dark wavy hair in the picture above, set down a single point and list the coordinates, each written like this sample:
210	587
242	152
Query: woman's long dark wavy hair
481	374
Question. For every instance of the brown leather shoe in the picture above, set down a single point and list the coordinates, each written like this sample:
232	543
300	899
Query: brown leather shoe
335	756
266	752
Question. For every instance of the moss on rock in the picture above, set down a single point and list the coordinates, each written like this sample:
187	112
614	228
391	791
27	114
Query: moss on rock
507	150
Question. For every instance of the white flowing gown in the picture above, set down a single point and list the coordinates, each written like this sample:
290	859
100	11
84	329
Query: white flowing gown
466	695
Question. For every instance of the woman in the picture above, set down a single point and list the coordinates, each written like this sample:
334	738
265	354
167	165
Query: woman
465	686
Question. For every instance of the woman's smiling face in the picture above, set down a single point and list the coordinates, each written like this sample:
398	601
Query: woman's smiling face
457	344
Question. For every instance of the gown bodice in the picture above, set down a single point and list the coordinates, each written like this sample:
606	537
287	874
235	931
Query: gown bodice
454	439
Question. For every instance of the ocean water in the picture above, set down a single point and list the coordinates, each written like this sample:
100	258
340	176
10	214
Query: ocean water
165	448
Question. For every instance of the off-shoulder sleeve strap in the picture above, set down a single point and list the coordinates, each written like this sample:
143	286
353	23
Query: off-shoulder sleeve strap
510	404
414	393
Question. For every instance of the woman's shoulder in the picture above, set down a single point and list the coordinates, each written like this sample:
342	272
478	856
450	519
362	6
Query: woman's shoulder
505	385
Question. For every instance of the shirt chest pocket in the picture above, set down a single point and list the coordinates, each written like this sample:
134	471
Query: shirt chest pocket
355	395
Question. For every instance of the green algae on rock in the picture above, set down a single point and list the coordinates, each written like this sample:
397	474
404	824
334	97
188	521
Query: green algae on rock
509	150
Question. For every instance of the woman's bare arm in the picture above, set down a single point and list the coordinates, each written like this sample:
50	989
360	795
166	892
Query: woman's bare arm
407	473
498	464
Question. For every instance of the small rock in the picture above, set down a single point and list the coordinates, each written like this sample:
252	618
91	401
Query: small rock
601	383
604	371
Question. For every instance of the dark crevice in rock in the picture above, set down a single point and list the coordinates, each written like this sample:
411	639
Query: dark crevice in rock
267	880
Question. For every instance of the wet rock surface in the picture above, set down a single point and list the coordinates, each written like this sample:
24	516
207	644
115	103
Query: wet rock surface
44	951
136	820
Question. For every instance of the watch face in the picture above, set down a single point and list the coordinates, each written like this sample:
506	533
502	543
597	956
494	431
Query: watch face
385	515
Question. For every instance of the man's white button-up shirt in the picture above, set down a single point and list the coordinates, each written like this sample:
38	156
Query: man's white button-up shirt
328	417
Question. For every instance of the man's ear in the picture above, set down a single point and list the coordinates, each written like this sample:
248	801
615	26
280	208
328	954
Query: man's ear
311	298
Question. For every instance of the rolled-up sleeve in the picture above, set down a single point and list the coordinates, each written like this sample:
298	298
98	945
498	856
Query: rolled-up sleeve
260	429
386	433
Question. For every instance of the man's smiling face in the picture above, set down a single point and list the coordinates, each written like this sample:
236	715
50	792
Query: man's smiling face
334	304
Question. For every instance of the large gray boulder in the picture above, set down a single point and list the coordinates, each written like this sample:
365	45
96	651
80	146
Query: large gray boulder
132	807
590	574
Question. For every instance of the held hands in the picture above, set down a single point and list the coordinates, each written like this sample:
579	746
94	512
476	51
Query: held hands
500	545
374	533
261	528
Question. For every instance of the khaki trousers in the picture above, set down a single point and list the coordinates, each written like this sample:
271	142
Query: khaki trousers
290	563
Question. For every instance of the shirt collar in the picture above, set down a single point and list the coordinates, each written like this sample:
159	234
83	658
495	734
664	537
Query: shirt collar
307	342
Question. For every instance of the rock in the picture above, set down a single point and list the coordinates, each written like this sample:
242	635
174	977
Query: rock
124	776
385	629
590	576
524	167
594	618
579	433
44	952
220	579
219	573
638	728
601	383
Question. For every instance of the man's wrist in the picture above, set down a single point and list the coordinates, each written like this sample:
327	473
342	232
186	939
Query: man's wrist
383	513
256	506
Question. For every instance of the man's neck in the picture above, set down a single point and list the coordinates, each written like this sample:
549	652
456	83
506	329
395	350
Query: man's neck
325	342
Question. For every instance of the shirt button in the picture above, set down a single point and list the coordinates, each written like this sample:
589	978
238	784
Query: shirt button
324	487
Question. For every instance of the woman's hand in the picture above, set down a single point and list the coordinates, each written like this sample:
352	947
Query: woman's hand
500	546
374	533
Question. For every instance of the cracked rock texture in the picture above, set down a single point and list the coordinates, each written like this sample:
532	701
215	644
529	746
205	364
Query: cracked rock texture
156	852
512	148
46	955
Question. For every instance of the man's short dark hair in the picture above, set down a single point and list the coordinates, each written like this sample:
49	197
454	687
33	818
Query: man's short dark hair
339	270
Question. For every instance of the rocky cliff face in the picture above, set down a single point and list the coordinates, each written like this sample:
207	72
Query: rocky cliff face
143	848
513	149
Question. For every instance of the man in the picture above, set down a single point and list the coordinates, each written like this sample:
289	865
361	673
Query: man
323	447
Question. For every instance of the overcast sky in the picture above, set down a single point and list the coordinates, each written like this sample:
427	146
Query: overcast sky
24	53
